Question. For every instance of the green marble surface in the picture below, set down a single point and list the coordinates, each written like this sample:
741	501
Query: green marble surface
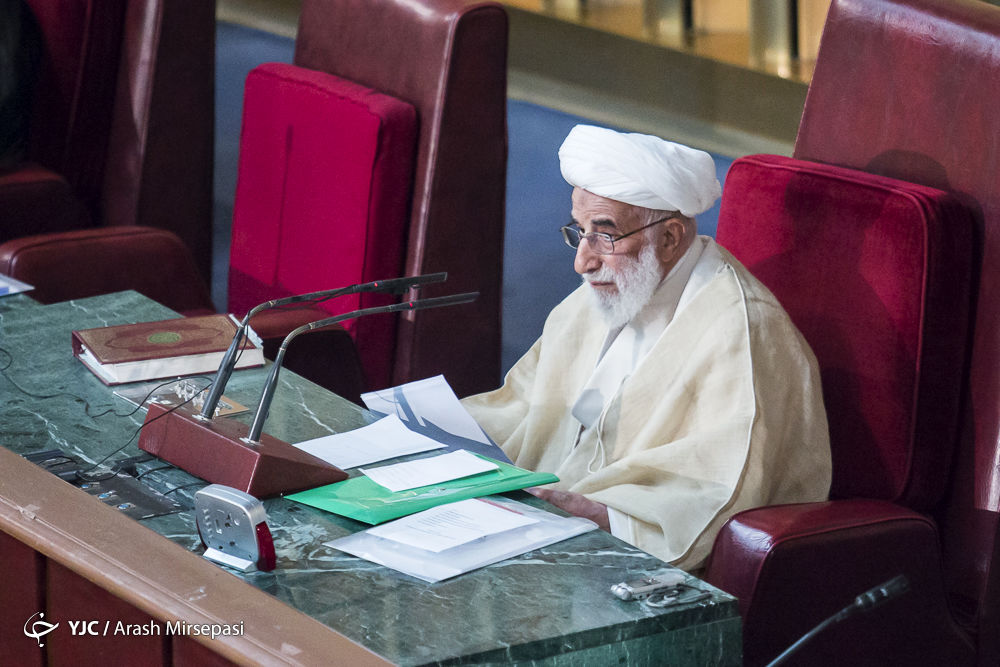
550	606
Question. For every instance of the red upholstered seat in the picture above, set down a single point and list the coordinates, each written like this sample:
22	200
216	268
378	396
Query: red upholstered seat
322	200
876	274
906	89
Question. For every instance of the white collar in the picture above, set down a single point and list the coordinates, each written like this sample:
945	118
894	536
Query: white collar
625	347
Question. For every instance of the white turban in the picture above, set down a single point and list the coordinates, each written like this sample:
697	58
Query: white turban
639	169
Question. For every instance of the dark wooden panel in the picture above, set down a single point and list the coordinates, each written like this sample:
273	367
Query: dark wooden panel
122	567
72	598
189	653
21	599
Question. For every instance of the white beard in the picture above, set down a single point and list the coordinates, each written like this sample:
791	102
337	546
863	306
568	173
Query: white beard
636	281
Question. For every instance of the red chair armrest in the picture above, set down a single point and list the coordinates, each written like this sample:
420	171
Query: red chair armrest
88	262
792	566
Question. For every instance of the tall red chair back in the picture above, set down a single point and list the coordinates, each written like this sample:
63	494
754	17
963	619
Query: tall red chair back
448	58
322	198
905	89
867	269
876	274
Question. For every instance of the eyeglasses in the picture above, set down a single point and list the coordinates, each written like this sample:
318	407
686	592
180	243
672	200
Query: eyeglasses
600	242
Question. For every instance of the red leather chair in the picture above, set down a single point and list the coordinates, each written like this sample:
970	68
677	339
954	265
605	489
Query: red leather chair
447	58
121	131
325	174
875	272
371	158
903	89
932	121
414	199
428	198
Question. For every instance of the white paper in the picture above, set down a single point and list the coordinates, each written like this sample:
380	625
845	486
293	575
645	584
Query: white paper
431	400
432	566
385	439
450	525
9	285
433	470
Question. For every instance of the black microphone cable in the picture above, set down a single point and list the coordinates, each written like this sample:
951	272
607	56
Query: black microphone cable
85	473
82	474
865	602
75	397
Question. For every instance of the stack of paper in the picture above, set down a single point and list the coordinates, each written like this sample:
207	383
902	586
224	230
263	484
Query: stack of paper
434	470
430	407
361	498
386	438
422	416
449	527
446	541
9	285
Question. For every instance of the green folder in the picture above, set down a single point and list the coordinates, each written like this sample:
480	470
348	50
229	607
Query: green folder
362	499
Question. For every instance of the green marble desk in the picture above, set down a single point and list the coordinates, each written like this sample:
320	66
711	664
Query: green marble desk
550	606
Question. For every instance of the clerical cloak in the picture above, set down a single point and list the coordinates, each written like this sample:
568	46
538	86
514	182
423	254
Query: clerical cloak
723	413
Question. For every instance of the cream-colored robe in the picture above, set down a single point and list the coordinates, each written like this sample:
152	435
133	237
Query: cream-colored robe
724	413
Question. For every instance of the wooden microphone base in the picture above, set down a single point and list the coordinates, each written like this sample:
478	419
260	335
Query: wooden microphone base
215	451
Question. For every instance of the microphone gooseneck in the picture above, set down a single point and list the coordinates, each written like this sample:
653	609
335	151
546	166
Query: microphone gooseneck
272	379
228	363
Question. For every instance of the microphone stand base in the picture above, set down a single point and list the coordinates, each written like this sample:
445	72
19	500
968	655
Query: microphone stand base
217	452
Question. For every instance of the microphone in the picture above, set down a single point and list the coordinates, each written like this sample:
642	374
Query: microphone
272	379
222	451
879	595
228	363
867	601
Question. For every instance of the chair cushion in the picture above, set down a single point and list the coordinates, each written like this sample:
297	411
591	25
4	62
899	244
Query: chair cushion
322	197
875	273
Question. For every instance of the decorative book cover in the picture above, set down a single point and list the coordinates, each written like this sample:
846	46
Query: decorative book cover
165	348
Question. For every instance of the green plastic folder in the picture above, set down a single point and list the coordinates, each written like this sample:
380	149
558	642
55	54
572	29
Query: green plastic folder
362	499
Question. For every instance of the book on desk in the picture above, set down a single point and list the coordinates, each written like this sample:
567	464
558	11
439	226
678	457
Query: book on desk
160	349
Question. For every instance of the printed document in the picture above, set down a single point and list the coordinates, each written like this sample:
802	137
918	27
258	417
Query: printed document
10	286
431	407
429	555
432	470
387	438
450	525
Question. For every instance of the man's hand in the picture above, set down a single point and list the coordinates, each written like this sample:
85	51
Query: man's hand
575	504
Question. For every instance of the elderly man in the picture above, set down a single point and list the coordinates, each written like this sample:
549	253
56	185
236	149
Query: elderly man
670	390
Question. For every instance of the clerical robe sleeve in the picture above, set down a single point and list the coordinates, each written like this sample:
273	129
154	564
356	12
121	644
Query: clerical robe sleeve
501	413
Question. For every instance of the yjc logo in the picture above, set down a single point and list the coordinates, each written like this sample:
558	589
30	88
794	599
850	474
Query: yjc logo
39	628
